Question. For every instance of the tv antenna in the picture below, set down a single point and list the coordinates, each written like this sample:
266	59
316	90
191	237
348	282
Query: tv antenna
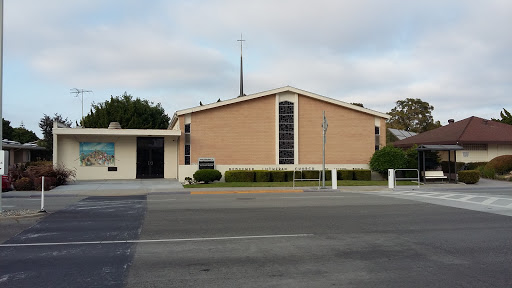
80	92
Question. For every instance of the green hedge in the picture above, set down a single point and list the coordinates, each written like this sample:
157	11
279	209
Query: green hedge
262	176
345	174
311	174
239	176
289	175
363	175
469	176
278	176
207	175
328	175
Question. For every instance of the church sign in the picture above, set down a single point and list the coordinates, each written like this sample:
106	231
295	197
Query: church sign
206	163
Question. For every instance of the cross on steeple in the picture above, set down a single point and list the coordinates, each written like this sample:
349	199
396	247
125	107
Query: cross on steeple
241	67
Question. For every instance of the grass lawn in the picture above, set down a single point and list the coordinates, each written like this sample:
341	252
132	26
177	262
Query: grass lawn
297	184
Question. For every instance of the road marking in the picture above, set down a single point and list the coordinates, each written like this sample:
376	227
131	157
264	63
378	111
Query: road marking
306	197
244	192
464	198
156	240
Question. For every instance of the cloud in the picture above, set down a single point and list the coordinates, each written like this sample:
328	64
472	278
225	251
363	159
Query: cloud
452	54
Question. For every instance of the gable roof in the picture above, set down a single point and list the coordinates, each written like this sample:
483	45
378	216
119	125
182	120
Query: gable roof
272	92
472	130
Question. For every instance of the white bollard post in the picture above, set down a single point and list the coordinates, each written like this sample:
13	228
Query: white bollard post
42	195
391	178
334	179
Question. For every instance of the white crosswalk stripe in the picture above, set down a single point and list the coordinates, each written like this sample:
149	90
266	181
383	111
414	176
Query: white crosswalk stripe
478	202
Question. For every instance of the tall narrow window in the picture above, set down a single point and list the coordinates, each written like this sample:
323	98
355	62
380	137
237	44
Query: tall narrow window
187	144
377	138
286	133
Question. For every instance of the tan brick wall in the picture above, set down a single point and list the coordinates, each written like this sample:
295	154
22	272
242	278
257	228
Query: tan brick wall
350	136
236	134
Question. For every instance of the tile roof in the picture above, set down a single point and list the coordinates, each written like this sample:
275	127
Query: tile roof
472	130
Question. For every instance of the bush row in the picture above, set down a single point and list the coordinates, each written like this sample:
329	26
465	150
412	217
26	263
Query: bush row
287	176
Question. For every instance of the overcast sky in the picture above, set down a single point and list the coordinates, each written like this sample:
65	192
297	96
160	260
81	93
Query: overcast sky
456	55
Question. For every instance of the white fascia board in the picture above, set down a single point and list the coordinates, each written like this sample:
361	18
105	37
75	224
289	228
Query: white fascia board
281	90
115	132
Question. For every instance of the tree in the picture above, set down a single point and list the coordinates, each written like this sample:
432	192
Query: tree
386	158
46	125
506	117
130	113
412	115
7	130
23	135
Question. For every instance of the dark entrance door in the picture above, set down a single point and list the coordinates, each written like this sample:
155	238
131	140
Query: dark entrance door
150	157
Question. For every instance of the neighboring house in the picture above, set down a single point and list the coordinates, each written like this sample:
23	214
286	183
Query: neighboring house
280	129
481	139
19	153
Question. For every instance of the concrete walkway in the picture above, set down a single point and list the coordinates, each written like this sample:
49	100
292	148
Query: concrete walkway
107	187
150	186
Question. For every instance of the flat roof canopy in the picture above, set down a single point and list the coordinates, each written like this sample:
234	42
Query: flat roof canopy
116	132
439	148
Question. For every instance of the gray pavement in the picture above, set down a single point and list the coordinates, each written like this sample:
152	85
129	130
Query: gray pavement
352	237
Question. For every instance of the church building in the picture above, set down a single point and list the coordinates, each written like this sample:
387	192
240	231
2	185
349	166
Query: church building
279	129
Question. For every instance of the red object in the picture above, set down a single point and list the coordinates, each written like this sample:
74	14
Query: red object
6	183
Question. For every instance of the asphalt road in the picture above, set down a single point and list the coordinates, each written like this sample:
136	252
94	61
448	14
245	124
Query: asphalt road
316	239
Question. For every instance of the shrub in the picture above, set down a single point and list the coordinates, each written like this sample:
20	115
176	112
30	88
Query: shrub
345	174
386	158
469	176
207	175
487	172
278	176
239	176
24	184
501	164
475	165
289	175
262	176
311	174
328	175
363	175
49	183
63	174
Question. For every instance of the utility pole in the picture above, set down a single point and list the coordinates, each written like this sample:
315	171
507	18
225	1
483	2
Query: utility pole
324	129
1	87
81	92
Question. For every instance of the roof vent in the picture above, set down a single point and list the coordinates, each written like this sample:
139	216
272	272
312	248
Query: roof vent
114	125
451	121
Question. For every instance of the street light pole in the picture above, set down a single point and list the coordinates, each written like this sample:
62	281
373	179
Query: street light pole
324	132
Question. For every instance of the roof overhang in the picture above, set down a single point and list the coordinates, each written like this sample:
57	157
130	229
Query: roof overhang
439	148
22	147
116	132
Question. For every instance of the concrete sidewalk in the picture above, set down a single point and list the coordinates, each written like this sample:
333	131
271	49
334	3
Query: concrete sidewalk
106	188
153	186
